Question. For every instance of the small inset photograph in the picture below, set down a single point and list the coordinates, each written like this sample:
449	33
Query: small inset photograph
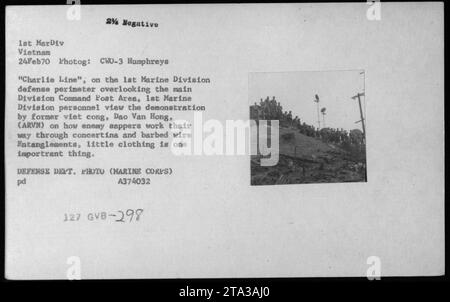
321	126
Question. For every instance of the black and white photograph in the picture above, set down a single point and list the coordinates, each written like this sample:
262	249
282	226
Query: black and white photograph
322	126
223	150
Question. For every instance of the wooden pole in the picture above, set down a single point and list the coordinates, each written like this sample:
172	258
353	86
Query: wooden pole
361	112
318	115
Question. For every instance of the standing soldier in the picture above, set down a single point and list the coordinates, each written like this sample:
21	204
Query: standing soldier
279	111
273	108
267	108
260	110
294	122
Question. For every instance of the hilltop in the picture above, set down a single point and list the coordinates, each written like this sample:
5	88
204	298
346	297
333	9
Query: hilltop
305	159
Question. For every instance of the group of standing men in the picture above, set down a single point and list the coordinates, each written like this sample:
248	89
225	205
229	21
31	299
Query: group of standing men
270	109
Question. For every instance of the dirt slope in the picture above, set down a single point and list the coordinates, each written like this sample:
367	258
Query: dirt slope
304	159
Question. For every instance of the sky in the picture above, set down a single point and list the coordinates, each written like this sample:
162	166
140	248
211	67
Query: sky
296	90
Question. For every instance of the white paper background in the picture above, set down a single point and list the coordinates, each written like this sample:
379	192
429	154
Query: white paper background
206	220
